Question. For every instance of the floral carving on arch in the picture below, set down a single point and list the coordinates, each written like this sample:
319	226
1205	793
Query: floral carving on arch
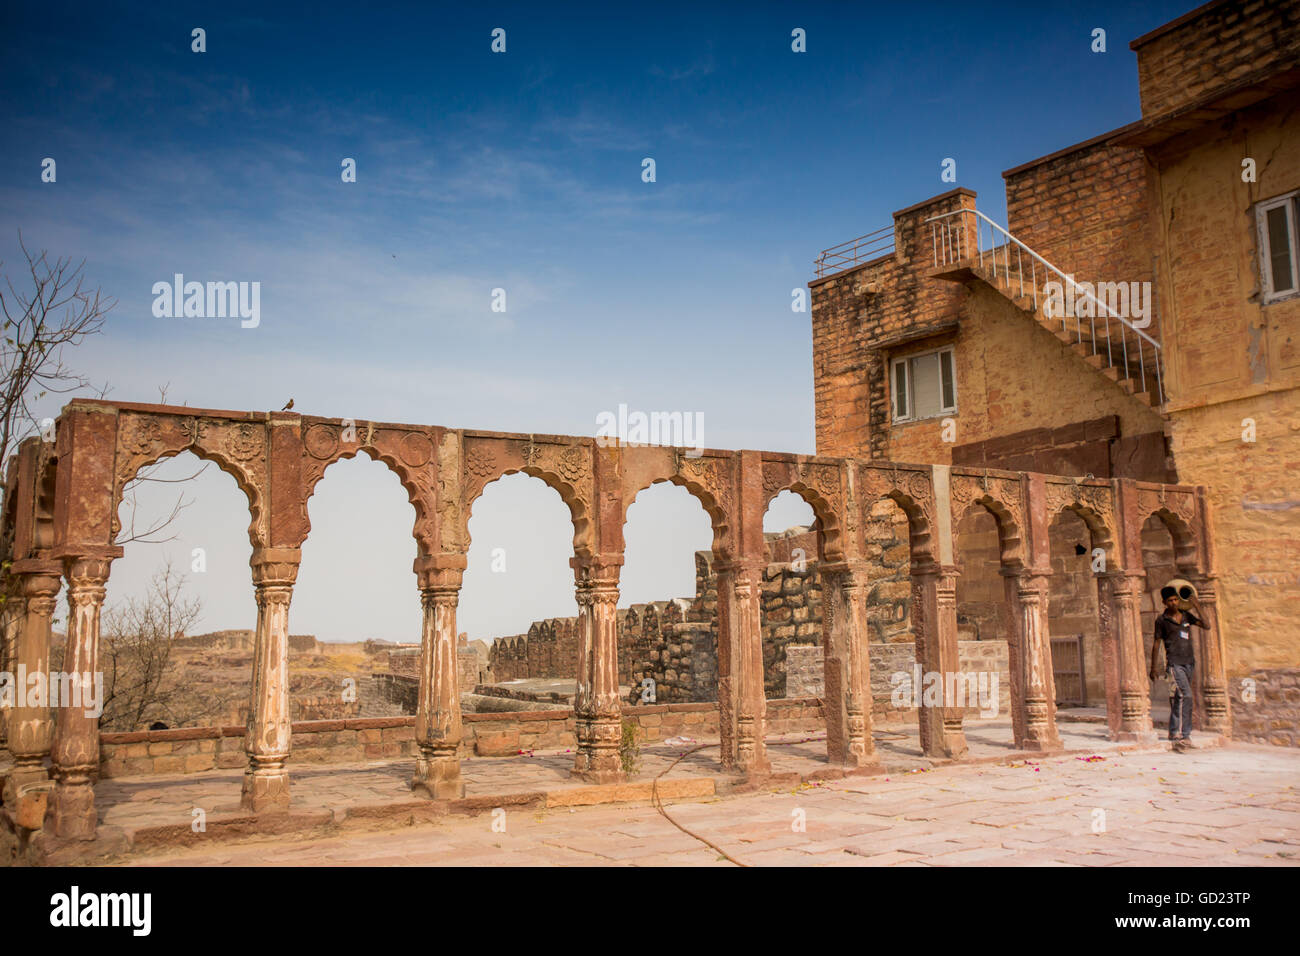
565	467
818	484
1095	504
239	448
913	492
406	451
709	481
1001	497
1177	509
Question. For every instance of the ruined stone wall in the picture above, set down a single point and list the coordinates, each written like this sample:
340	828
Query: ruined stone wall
889	573
196	749
806	676
674	643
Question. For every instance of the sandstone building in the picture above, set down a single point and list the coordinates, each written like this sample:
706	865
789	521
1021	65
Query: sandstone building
1170	245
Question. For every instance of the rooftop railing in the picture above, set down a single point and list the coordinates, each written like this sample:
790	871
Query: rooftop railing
855	252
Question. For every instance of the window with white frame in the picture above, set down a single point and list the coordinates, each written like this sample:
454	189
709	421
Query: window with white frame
1276	219
924	385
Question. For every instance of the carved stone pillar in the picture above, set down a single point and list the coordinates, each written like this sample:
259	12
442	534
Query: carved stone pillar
266	781
12	617
1209	660
30	726
1033	698
934	625
75	751
846	650
1122	643
437	718
596	706
742	698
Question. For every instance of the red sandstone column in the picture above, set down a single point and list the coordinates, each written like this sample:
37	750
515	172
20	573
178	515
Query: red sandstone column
742	699
30	727
846	649
75	751
15	610
1033	690
437	719
596	706
1127	682
1209	660
934	624
266	782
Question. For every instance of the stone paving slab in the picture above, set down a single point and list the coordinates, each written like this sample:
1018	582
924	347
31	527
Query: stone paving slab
1145	825
1212	807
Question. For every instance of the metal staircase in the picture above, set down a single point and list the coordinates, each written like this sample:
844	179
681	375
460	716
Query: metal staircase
967	244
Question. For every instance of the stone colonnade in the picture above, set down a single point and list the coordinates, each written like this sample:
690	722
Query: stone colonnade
61	517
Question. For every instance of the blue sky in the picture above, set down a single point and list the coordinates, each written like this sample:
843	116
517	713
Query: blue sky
519	171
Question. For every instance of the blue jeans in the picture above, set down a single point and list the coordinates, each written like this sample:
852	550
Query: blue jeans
1180	701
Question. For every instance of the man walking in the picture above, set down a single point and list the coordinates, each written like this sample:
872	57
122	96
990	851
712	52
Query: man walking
1173	629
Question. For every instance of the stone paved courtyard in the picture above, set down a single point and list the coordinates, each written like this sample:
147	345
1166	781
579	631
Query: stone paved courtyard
1231	806
135	803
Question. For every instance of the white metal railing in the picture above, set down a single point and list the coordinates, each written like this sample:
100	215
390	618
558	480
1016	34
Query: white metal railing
950	236
862	249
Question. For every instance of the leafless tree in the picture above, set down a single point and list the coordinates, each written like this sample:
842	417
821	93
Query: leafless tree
48	310
135	653
41	317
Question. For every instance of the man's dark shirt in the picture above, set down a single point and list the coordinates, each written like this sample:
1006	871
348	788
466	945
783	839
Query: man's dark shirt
1177	637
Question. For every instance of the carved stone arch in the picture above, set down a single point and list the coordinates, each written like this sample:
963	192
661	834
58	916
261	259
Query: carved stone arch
239	449
1187	551
1010	533
564	466
1103	534
824	499
1001	497
405	452
579	512
1094	504
701	493
913	492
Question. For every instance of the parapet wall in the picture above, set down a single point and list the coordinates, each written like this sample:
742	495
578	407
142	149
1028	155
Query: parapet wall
674	642
195	749
806	679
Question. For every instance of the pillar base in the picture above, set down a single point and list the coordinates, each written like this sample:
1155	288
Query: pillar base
598	776
598	759
23	774
853	760
1042	745
72	813
954	744
266	790
438	778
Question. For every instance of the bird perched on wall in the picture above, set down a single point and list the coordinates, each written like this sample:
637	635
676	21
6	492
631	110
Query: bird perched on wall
288	406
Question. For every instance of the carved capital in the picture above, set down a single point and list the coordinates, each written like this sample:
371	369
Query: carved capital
850	575
440	575
596	579
40	587
275	568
